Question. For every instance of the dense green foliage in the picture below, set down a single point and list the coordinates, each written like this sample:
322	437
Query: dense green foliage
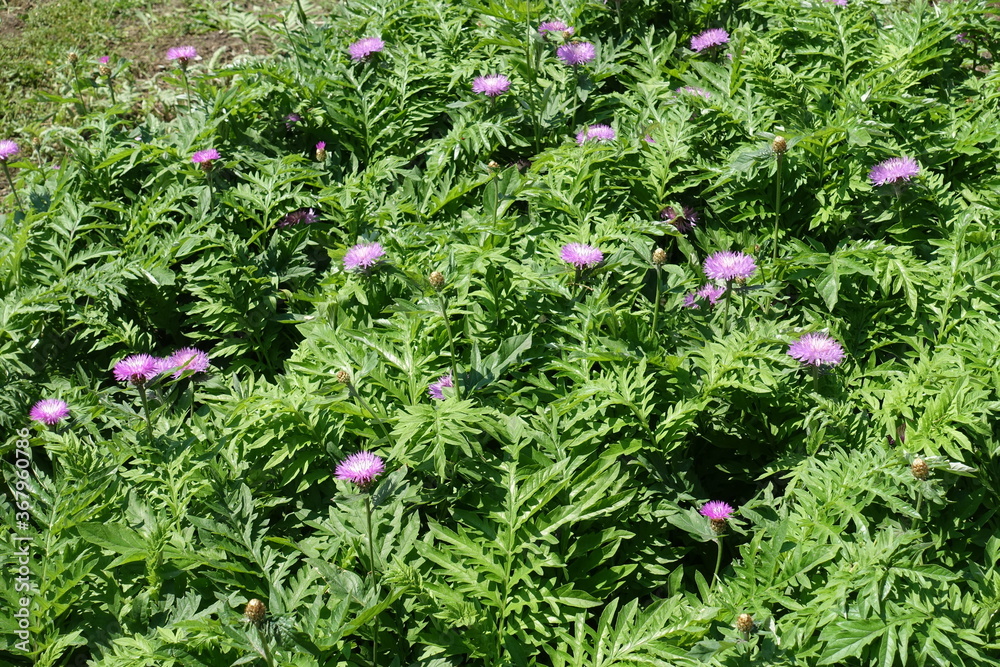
548	513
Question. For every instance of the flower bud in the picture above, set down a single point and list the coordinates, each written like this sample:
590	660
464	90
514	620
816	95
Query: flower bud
36	141
72	57
437	280
779	146
255	611
343	377
744	623
659	257
919	469
493	164
321	151
105	70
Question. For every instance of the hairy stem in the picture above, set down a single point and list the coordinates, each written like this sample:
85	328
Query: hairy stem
6	171
656	304
371	563
777	208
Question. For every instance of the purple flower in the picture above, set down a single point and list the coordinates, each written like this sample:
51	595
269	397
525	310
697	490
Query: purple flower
49	411
205	156
599	132
961	37
711	292
554	26
304	216
436	389
581	255
649	139
842	3
365	47
694	91
576	53
320	145
684	221
138	369
728	265
182	53
691	300
716	510
816	349
291	119
361	468
708	39
186	359
363	256
491	85
7	149
893	171
104	60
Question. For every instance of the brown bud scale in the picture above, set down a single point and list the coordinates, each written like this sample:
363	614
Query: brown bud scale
744	623
920	469
255	611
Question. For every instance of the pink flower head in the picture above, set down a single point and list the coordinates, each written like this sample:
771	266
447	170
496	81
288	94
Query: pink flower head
436	389
303	216
893	171
649	139
684	222
104	60
320	145
581	255
554	26
598	132
7	149
290	120
716	510
691	300
182	54
708	39
576	53
361	468
363	256
365	47
694	91
728	265
712	292
138	369
187	359
816	349
49	411
205	156
842	3
491	85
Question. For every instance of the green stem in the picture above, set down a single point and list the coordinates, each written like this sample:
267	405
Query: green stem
725	310
815	374
111	89
368	408
777	208
266	654
656	304
187	88
451	347
920	499
371	562
718	559
145	411
76	87
6	171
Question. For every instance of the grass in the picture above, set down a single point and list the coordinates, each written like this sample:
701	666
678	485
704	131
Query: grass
35	39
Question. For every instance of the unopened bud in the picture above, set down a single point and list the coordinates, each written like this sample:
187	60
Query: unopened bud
437	280
36	141
493	164
72	57
255	611
659	257
343	377
321	151
105	70
744	623
919	469
779	145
